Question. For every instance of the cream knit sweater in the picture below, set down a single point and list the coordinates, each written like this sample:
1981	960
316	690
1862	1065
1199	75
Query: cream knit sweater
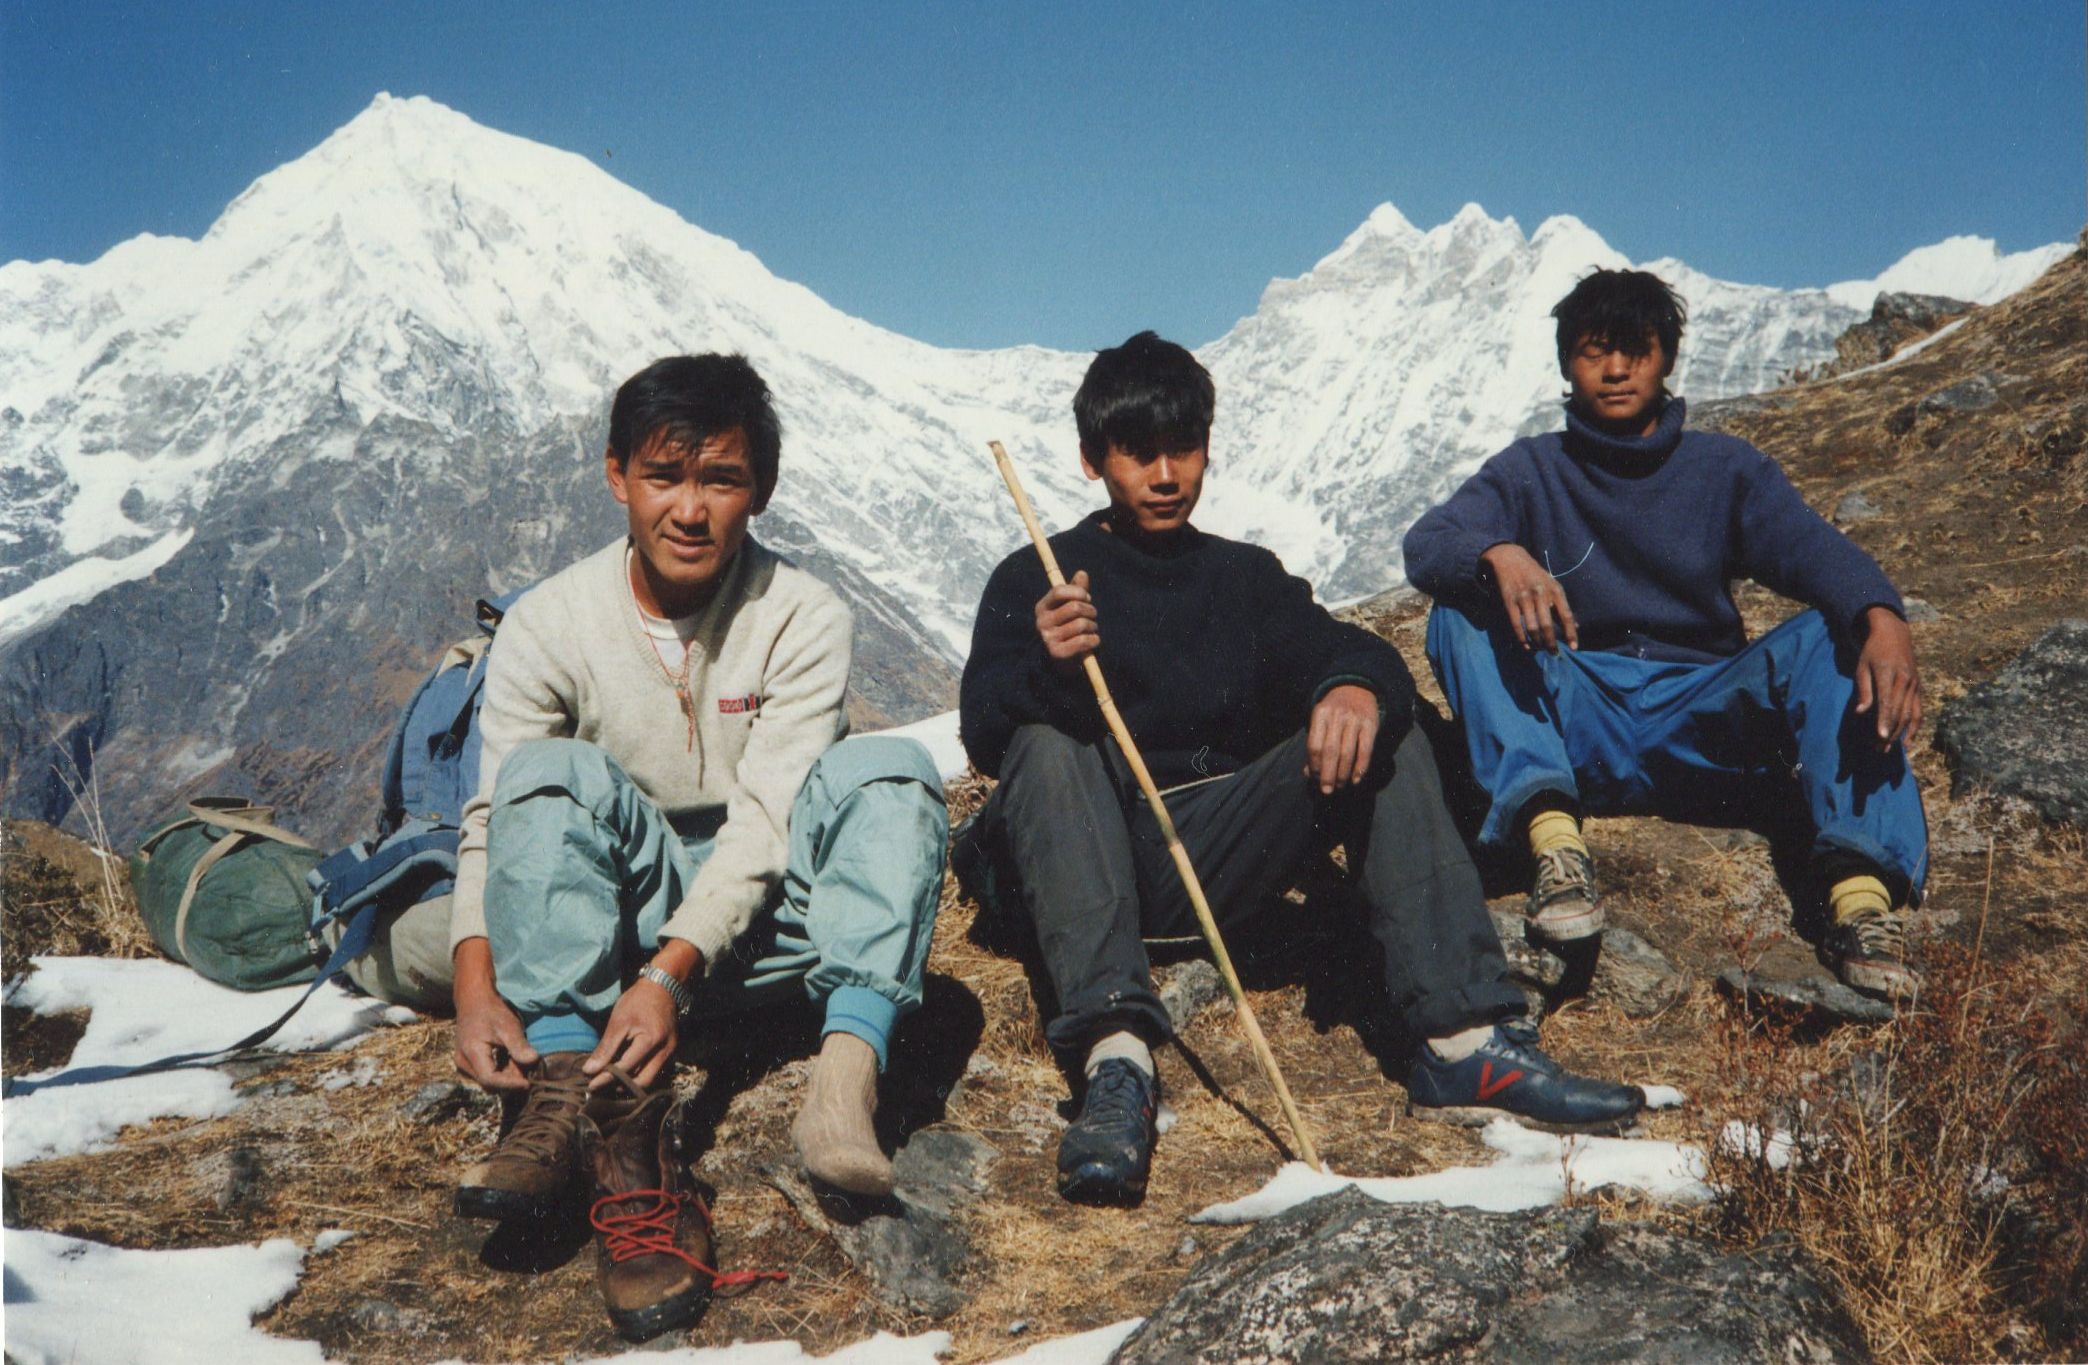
768	667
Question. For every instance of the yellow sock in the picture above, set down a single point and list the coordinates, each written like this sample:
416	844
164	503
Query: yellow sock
1552	829
1851	896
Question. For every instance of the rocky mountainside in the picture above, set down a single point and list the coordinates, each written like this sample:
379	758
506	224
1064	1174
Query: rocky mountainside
250	483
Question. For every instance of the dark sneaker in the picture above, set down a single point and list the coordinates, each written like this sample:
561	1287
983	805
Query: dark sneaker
1563	904
1868	952
1509	1077
1104	1156
535	1169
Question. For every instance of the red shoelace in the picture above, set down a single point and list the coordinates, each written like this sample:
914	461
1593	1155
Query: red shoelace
649	1231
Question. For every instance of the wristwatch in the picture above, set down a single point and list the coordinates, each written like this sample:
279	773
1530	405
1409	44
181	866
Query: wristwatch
676	991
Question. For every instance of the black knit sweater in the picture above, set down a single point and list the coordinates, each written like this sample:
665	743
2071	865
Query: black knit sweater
1213	652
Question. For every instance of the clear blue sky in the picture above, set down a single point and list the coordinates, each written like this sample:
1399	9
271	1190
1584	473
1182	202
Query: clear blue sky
983	174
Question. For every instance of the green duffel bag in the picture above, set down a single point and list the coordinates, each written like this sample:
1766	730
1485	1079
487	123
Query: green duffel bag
223	890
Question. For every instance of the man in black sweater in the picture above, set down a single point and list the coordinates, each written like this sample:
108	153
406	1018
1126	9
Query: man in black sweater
1278	732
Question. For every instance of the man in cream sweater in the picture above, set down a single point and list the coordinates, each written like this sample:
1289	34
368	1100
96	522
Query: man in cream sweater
670	827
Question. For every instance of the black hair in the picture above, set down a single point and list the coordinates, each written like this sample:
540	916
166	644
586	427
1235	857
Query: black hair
1621	308
1147	397
685	400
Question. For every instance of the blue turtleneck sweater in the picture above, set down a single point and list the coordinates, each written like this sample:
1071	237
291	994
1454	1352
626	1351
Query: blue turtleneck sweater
1646	535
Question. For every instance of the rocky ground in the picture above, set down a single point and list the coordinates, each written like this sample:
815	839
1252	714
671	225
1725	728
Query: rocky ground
1961	466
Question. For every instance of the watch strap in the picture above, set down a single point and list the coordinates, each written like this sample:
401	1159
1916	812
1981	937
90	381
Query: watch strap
676	991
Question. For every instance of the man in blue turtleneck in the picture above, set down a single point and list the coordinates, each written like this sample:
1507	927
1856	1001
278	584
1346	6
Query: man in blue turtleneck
1619	538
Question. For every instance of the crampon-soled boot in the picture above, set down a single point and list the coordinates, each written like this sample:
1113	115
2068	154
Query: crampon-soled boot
653	1251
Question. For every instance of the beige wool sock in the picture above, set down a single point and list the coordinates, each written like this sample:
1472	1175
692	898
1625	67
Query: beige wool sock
1122	1044
1550	829
1457	1046
1852	896
834	1130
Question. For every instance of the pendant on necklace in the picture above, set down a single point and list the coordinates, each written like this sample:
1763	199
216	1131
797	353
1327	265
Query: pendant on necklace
681	694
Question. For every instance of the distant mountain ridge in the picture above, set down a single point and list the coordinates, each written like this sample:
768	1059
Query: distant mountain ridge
249	482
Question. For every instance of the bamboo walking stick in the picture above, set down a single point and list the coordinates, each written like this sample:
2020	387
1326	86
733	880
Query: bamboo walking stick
1204	917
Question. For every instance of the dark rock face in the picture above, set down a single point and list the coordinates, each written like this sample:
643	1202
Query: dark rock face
1895	320
1346	1278
2024	732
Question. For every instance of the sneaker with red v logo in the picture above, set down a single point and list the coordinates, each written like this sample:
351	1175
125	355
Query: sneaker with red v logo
1510	1077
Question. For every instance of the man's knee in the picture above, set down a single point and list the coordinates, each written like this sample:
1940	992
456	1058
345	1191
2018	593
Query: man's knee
1450	629
1040	755
861	760
572	766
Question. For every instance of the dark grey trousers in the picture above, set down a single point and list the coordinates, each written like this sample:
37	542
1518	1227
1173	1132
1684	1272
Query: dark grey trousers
1094	876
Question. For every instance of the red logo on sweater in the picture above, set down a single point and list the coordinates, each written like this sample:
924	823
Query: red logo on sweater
739	706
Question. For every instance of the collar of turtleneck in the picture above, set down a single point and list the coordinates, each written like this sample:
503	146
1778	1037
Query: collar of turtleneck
1585	439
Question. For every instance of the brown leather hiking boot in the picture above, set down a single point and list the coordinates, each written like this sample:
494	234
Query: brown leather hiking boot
652	1229
536	1167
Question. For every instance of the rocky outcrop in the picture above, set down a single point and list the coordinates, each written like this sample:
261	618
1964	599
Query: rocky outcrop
2024	732
1627	970
1347	1278
1895	320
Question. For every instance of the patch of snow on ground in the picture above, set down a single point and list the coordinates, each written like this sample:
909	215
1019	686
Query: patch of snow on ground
74	1300
1083	1348
87	1118
1663	1097
329	1238
1745	1139
939	735
146	1009
1532	1171
882	1349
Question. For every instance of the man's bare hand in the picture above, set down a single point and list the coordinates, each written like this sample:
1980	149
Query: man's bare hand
1339	739
1533	599
1066	622
1886	680
639	1039
491	1047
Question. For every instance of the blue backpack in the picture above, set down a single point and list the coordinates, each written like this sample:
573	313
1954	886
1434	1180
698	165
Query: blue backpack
431	770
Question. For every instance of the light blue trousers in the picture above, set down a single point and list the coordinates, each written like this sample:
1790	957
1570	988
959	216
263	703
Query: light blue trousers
582	870
1622	735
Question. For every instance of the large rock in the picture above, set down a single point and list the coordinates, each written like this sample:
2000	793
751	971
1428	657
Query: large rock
913	1248
2024	732
1627	970
1895	320
1347	1278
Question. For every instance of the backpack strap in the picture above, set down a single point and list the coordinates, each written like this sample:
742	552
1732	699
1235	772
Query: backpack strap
404	868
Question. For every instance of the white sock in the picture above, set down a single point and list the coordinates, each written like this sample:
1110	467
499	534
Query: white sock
1123	1045
1455	1047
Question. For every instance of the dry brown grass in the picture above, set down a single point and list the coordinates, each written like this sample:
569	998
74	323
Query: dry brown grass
1913	1160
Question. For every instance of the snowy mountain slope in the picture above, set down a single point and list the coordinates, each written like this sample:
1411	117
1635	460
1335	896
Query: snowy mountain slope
249	482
